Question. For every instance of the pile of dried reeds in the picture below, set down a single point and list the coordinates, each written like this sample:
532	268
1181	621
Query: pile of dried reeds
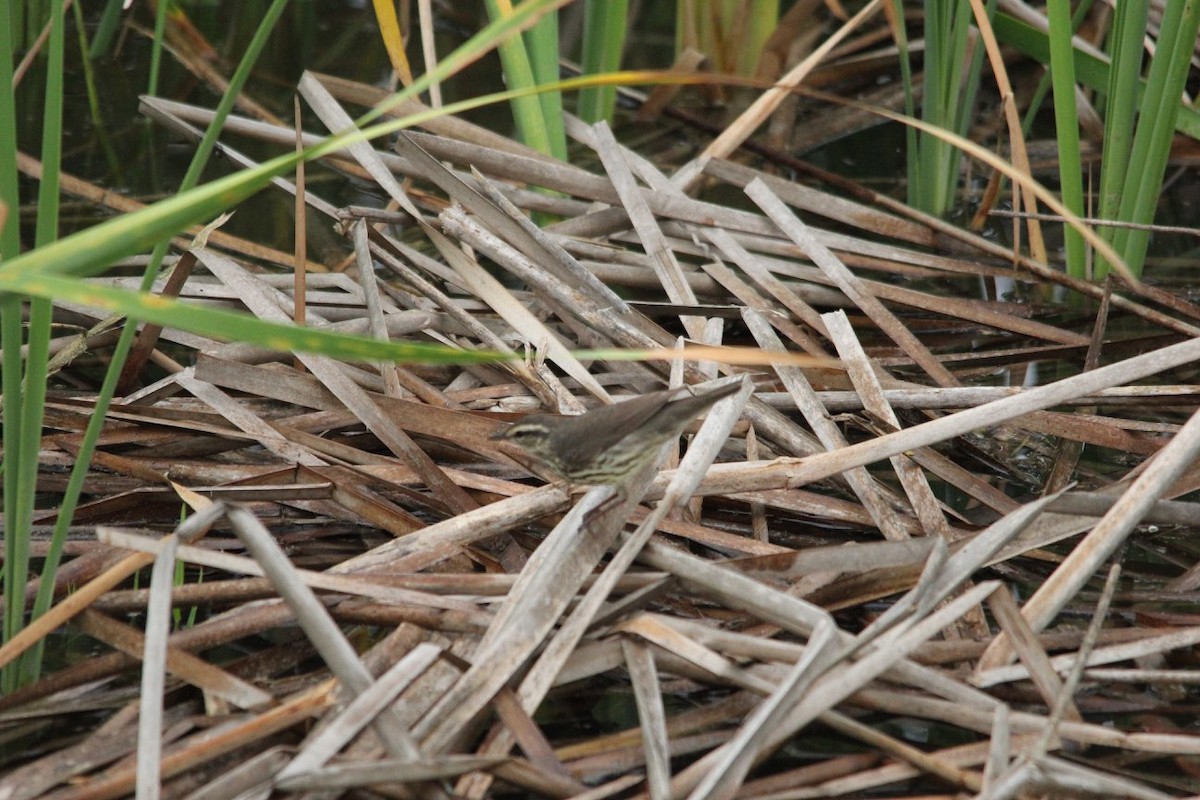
388	604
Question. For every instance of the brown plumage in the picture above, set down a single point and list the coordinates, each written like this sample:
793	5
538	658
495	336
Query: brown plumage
607	444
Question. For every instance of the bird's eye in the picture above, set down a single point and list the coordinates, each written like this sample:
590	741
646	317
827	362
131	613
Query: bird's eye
525	433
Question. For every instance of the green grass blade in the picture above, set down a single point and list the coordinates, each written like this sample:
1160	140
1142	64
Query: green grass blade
10	236
34	402
91	251
14	18
40	309
522	16
542	40
604	26
46	230
1066	122
11	340
232	326
106	29
944	103
26	404
966	108
900	34
160	27
1120	104
924	193
1043	88
1090	71
1156	127
760	20
518	73
16	546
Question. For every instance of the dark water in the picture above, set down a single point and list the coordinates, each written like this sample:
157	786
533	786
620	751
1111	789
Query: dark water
109	143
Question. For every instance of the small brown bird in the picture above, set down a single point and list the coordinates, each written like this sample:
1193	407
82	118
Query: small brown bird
608	444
